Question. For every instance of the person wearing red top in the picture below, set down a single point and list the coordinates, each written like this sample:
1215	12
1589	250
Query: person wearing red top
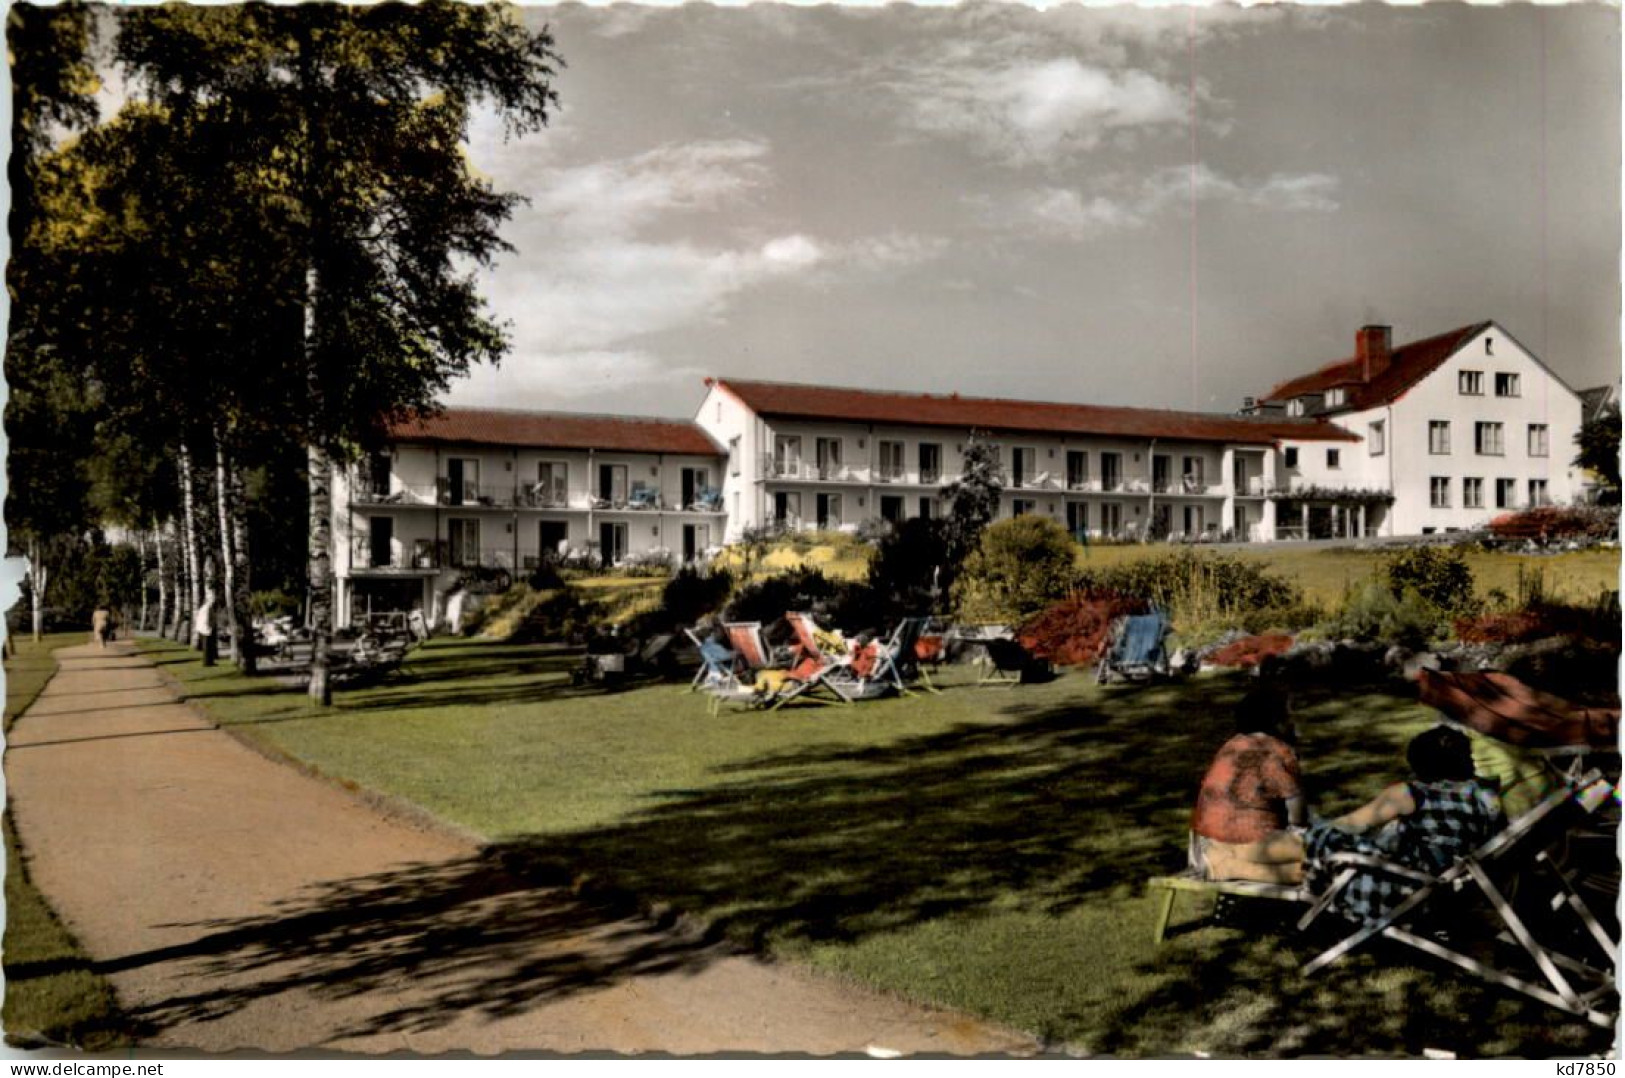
1251	794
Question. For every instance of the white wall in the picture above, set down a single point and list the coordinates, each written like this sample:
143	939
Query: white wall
1542	399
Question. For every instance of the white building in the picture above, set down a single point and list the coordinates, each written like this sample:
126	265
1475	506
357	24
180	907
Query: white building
827	457
476	490
1457	428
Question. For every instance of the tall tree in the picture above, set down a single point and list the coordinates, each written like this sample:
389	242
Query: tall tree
47	417
353	120
973	502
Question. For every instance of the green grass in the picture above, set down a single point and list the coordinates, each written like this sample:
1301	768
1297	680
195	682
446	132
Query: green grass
984	849
53	996
1324	573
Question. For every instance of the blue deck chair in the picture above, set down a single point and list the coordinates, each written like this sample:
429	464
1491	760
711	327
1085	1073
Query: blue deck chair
1135	648
719	666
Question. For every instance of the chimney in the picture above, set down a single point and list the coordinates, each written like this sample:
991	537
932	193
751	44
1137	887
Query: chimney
1373	348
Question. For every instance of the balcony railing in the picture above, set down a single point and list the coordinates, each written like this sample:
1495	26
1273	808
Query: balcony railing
1041	481
792	468
421	557
405	495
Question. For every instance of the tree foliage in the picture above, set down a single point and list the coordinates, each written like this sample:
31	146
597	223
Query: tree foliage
1021	566
973	502
1599	445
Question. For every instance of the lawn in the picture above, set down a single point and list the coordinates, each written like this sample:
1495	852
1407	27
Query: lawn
53	997
985	849
1324	572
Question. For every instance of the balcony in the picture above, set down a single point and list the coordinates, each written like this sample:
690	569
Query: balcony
1041	481
424	557
474	495
362	494
810	471
1253	486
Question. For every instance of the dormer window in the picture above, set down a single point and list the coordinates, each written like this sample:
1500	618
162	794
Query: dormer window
1294	407
1334	398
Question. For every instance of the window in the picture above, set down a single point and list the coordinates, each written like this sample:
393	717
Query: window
1194	524
930	463
612	484
827	454
1077	519
1439	492
1022	506
733	460
1506	385
1111	519
1335	397
928	508
891	461
462	481
552	483
1472	493
1111	471
1194	475
377	475
1439	437
1489	346
611	542
1334	459
1023	466
1487	440
787	508
1161	466
464	535
1295	406
1537	492
1538	444
1291	456
829	512
891	508
381	542
1504	489
1470	383
1377	438
1077	469
787	455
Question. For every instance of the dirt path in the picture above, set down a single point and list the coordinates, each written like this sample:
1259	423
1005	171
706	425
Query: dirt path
234	902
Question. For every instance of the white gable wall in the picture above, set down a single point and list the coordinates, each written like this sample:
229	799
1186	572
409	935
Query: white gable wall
1542	399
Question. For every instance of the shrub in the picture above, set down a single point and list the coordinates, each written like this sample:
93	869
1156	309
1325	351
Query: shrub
690	595
1071	631
1021	566
1281	619
1598	623
1439	575
769	599
273	604
1195	585
908	565
655	562
1374	614
558	615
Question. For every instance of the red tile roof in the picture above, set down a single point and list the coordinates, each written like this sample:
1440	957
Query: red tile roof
557	430
1409	365
1039	417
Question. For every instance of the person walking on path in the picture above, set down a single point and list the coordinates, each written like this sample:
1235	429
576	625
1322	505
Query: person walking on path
101	625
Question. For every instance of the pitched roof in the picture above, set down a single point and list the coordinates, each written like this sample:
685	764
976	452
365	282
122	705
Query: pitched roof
556	430
1039	417
1407	366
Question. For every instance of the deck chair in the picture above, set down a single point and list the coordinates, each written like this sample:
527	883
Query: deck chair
1578	984
817	669
1135	649
718	665
751	656
897	661
1193	879
1007	661
643	497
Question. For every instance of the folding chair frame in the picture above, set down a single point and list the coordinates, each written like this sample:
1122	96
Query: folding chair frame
1470	872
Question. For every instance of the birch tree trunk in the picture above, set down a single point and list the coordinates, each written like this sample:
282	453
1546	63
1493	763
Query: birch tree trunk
163	582
141	556
228	553
37	576
239	577
321	510
194	553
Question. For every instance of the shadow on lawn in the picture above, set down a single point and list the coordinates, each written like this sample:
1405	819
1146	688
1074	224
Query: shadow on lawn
1044	810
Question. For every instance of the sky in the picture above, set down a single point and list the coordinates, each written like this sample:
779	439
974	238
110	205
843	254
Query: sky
1150	207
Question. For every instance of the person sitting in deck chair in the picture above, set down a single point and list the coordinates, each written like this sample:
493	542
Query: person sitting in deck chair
1251	794
1426	823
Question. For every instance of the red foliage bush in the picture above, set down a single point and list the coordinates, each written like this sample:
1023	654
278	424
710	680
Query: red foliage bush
1251	650
1555	522
1070	632
1540	622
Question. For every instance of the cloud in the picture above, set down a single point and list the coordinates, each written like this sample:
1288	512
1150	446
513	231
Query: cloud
573	376
1069	213
612	252
1035	111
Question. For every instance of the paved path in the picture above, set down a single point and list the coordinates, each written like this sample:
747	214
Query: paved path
234	903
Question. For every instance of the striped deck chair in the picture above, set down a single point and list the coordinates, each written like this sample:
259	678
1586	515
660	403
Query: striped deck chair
719	667
897	661
751	657
1536	954
816	668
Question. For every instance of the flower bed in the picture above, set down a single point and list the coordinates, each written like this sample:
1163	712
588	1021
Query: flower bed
1249	651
